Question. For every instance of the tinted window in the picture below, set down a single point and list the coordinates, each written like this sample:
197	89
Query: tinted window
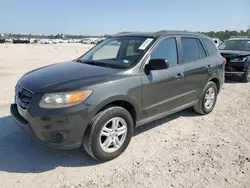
210	46
190	50
201	50
167	50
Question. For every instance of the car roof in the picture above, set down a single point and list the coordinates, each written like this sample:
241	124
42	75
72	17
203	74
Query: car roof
240	38
157	34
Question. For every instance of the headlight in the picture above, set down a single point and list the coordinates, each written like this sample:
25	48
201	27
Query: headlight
65	99
239	59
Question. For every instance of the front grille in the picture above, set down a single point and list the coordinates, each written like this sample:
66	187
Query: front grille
235	67
22	96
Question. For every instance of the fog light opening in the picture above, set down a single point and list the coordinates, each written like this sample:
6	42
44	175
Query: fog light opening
59	137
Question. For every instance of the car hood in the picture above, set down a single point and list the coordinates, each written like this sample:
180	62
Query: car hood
43	79
234	53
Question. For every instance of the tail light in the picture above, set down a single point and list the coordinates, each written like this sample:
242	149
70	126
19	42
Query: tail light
224	61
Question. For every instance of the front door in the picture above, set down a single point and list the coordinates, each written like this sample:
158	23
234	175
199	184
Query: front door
162	89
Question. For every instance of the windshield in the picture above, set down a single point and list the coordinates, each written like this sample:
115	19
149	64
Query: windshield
243	45
117	52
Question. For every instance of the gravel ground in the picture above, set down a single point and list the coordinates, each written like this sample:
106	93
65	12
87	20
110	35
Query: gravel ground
182	150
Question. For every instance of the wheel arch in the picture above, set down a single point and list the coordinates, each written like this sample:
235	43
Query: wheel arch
123	101
216	80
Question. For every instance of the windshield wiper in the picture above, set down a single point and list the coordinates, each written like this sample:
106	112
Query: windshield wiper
78	60
100	63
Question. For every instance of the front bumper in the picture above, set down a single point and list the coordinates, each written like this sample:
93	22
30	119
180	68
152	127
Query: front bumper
62	131
233	72
236	68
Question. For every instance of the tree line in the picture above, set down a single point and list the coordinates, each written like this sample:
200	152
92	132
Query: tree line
222	35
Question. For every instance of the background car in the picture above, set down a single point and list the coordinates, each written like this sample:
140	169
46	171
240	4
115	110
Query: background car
237	53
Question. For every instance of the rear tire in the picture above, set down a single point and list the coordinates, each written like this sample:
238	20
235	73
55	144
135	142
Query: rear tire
246	77
102	140
207	100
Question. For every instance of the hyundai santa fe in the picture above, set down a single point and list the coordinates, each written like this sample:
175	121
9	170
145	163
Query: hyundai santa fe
132	78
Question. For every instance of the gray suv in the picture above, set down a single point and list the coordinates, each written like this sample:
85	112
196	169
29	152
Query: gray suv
130	79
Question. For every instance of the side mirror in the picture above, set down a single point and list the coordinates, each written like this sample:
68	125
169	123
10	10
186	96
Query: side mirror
156	64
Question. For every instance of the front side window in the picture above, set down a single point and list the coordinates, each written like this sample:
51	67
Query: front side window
190	49
166	50
243	45
117	52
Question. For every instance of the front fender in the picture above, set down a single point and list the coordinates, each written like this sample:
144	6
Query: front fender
94	109
109	100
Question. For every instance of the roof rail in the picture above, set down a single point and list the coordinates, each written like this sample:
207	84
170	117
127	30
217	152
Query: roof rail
120	33
239	37
161	31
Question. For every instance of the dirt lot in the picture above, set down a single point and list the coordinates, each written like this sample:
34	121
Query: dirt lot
182	150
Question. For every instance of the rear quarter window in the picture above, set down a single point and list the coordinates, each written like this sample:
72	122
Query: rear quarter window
201	50
211	48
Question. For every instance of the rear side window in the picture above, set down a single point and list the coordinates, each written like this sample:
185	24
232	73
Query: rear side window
210	46
201	50
167	50
190	49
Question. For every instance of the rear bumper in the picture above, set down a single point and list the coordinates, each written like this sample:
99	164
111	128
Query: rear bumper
62	132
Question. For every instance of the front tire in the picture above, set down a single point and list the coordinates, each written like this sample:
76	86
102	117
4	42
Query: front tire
207	100
108	134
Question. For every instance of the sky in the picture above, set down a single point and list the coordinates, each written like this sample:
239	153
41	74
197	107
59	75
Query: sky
98	17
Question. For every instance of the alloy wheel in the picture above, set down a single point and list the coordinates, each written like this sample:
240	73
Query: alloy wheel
113	134
209	98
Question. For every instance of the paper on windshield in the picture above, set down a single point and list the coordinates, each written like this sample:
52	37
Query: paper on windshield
145	44
125	61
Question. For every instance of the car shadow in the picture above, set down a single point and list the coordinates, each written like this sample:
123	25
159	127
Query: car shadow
20	153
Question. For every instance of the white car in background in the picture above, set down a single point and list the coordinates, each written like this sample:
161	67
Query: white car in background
86	41
9	40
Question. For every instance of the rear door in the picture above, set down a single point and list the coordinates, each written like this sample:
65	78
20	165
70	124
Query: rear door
216	61
196	67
